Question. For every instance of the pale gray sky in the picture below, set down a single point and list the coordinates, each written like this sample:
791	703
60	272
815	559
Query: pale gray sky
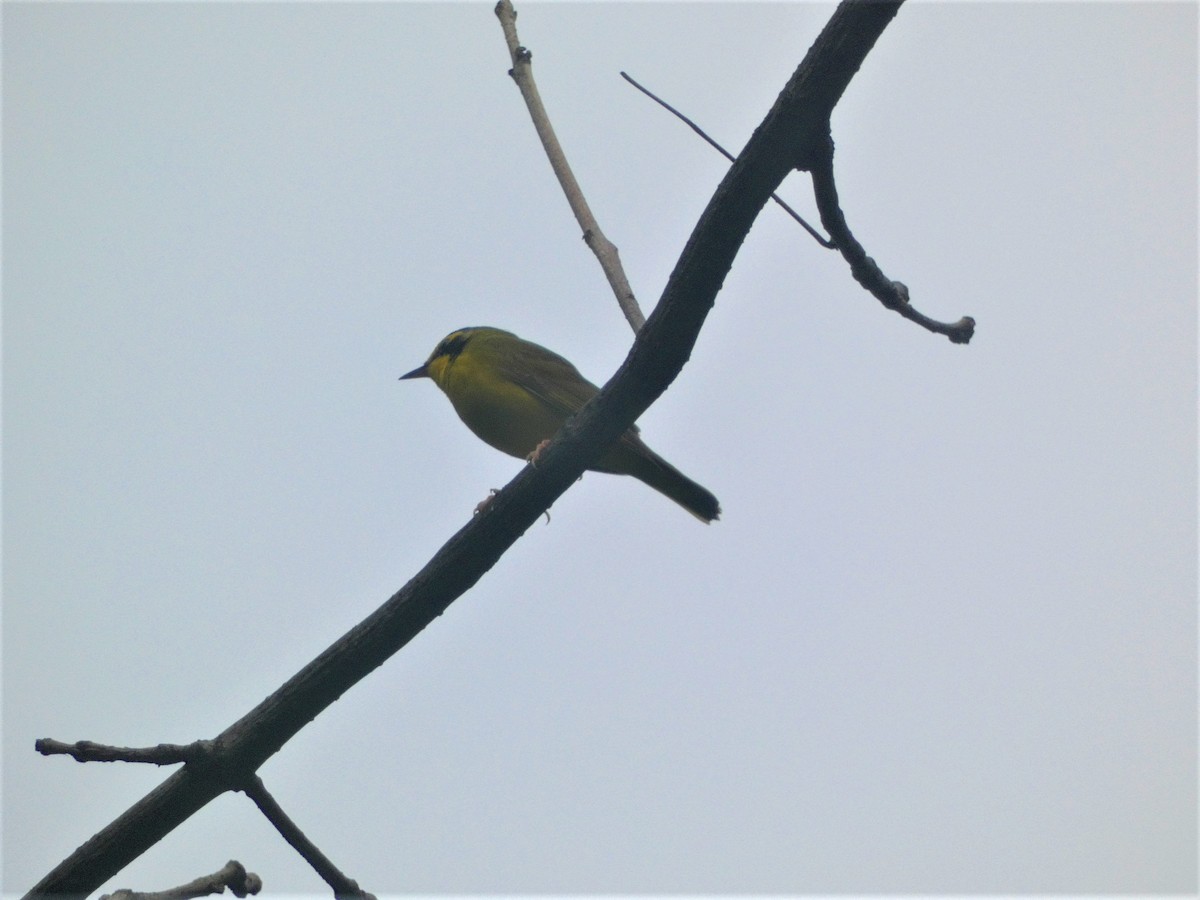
943	638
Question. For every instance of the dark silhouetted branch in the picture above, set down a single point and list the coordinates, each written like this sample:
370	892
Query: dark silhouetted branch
866	272
90	751
344	888
233	876
892	294
798	119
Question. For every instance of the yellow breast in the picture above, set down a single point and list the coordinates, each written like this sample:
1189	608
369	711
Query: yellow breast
498	410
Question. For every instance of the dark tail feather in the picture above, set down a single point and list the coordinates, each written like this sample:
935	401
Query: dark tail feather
666	479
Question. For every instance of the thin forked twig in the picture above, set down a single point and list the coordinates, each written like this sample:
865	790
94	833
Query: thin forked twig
817	236
892	294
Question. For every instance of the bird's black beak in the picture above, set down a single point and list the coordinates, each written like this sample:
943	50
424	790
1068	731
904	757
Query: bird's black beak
421	371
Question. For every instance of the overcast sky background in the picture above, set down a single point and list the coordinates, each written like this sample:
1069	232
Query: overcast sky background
944	635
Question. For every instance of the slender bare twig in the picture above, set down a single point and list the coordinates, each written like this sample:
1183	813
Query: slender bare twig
605	250
817	236
90	751
343	886
892	294
233	876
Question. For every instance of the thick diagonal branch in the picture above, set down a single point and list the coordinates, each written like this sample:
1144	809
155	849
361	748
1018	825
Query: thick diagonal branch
662	347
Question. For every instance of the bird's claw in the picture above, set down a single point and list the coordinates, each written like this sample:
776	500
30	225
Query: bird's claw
536	452
485	502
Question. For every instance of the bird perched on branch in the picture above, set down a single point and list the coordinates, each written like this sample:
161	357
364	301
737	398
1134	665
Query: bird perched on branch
516	395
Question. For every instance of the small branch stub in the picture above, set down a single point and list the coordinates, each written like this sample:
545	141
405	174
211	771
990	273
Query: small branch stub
233	876
90	751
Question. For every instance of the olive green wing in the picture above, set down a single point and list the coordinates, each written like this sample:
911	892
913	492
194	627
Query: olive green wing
548	377
556	383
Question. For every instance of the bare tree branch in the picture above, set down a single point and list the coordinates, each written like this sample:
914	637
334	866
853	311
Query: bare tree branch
785	140
344	887
90	751
866	272
605	250
893	294
233	876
